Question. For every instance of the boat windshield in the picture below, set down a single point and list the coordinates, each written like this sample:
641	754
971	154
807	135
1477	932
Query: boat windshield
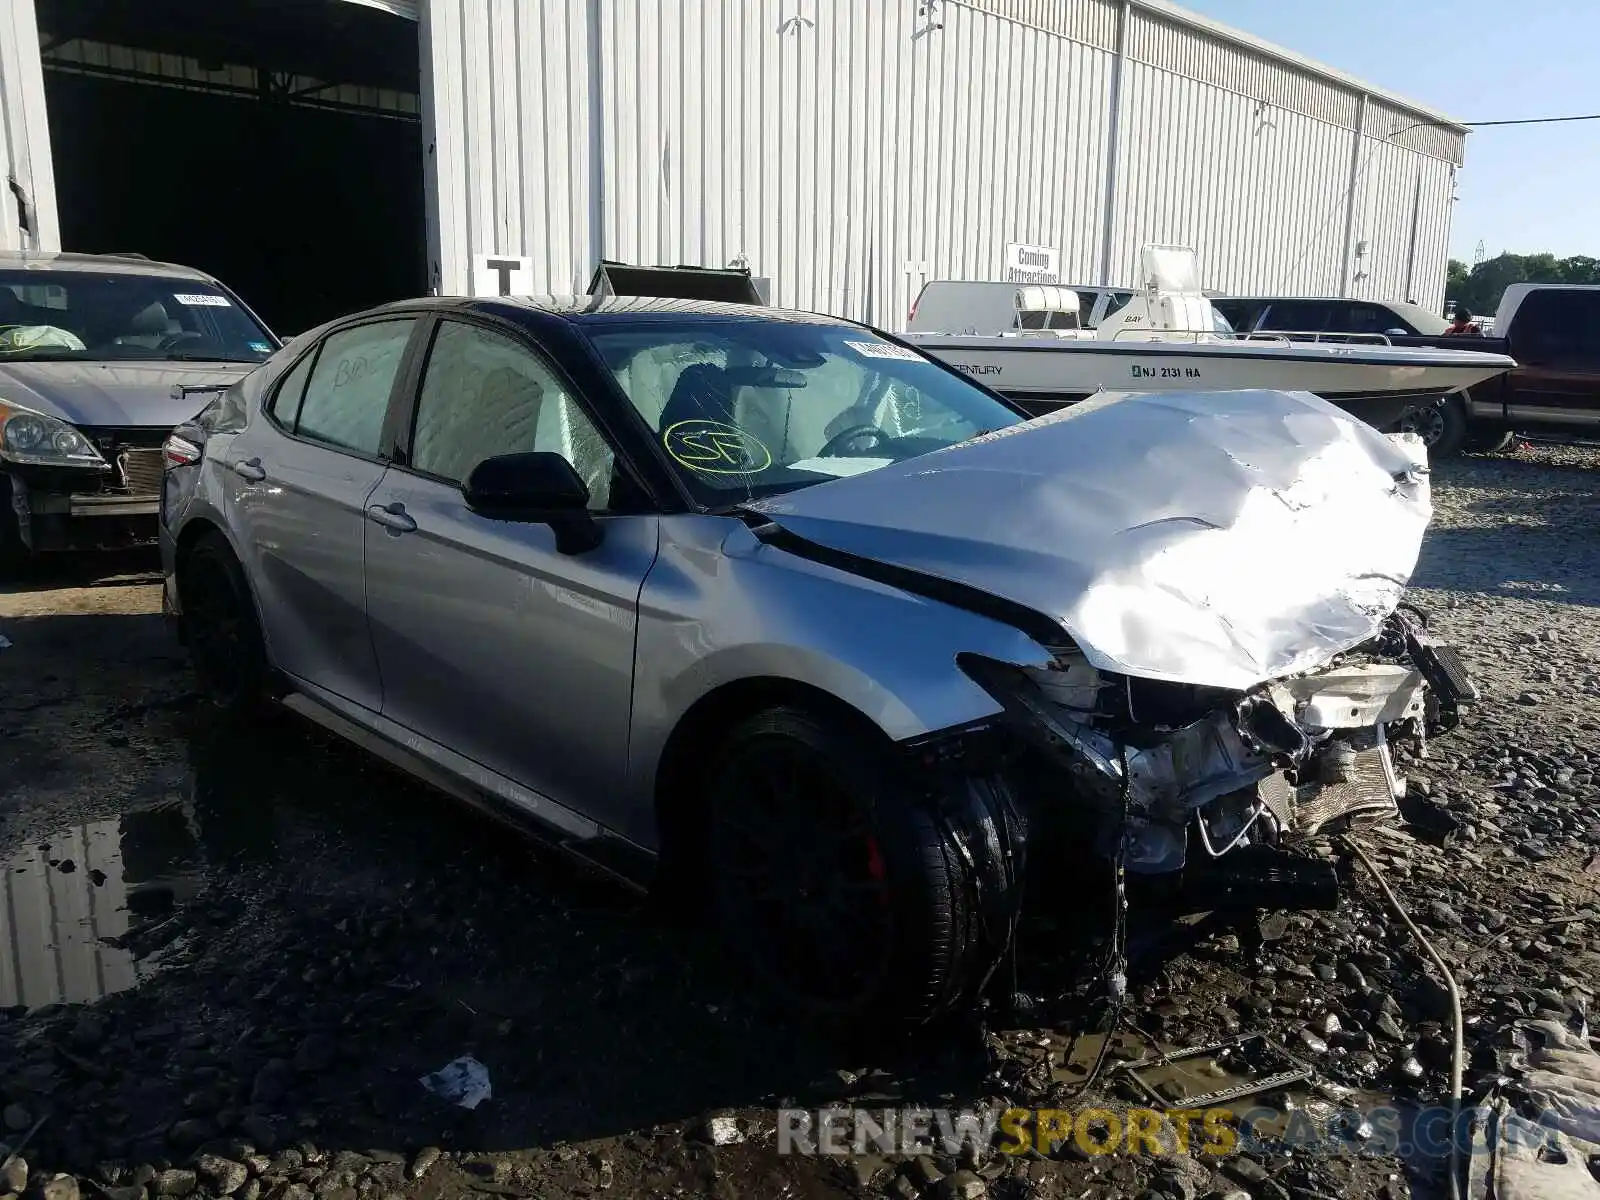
751	407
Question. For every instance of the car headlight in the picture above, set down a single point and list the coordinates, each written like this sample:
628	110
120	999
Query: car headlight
39	440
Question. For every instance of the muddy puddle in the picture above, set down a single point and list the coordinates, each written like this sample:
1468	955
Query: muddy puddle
82	906
90	909
69	901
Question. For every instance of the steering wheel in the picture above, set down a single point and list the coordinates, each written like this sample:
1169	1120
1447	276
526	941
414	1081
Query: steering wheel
173	340
845	436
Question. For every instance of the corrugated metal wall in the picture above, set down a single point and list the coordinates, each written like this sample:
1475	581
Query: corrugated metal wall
851	149
1260	192
506	122
1402	216
26	174
849	155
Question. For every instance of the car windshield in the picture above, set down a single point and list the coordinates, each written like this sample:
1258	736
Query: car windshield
750	408
95	316
1424	322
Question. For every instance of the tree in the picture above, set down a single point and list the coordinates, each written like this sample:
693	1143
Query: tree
1480	288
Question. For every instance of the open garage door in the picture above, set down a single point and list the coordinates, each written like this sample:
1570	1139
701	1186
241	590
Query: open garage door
275	143
27	187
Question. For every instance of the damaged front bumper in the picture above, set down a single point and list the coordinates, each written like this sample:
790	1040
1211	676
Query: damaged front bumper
1180	779
82	508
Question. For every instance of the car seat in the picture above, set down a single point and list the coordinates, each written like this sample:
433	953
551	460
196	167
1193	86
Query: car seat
703	393
151	325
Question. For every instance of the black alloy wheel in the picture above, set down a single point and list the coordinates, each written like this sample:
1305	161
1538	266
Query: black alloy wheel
836	889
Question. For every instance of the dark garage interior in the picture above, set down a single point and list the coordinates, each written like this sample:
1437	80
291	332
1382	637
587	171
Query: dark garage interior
273	143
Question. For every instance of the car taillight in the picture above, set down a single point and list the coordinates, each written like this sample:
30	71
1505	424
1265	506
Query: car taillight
179	452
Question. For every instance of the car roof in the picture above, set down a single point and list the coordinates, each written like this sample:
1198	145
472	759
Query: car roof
600	309
1317	299
104	264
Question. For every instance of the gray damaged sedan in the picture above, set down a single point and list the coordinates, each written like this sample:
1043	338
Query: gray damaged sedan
775	604
100	355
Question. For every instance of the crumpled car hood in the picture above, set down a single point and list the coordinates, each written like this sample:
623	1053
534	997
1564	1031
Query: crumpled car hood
1211	538
113	394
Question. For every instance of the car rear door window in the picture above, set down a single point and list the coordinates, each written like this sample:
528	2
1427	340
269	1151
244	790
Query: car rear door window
1240	314
1296	316
348	392
285	406
1363	318
484	394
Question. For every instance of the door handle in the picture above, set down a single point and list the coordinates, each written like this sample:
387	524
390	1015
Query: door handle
250	469
392	517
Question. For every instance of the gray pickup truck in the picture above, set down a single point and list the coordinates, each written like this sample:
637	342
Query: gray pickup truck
100	356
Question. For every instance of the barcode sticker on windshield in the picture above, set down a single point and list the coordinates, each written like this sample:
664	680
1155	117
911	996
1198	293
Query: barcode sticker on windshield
883	350
201	300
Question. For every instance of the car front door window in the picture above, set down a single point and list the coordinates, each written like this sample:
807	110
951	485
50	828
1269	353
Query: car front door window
485	394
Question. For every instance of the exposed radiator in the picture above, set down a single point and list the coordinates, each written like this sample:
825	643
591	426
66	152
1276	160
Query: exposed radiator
141	471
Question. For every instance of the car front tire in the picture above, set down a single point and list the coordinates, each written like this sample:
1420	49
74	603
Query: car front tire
221	629
837	882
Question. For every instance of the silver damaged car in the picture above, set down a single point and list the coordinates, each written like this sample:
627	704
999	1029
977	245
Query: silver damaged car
100	355
773	608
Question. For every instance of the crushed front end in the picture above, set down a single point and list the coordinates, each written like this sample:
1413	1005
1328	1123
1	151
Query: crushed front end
1203	794
90	489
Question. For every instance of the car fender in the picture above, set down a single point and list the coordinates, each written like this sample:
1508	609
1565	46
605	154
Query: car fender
207	502
719	607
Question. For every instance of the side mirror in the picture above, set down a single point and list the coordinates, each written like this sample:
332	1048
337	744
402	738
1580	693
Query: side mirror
539	488
1395	333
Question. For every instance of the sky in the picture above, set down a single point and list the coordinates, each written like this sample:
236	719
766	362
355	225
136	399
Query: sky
1525	189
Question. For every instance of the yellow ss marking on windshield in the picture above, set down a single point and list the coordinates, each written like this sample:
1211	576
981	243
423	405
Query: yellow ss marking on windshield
715	448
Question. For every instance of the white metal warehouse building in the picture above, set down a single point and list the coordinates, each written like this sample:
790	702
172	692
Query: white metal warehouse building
845	150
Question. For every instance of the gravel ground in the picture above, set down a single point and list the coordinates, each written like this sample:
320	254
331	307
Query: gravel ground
232	957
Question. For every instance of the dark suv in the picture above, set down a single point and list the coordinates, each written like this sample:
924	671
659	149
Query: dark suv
1326	319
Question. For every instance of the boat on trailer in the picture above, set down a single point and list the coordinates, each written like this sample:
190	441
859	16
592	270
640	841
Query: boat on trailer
1170	338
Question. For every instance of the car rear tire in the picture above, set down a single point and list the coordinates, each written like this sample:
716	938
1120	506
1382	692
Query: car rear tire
221	629
833	880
